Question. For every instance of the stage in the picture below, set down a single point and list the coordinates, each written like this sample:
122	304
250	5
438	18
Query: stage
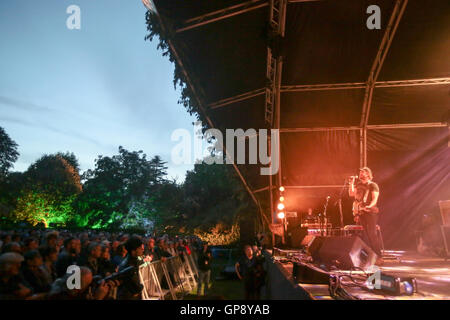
432	276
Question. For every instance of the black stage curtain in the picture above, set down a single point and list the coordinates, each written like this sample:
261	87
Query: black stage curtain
412	169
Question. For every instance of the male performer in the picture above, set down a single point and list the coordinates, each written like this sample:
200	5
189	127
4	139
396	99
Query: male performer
366	193
309	216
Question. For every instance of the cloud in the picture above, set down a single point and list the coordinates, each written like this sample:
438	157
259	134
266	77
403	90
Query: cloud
23	104
40	125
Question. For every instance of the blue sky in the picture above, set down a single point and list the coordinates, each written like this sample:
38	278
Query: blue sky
86	91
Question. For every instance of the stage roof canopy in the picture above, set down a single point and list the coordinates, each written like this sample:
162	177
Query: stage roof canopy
345	90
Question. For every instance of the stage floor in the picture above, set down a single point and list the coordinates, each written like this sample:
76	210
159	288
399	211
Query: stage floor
432	275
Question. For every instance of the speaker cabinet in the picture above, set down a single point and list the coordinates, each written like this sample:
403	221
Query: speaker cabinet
345	253
446	236
312	244
295	236
303	273
444	206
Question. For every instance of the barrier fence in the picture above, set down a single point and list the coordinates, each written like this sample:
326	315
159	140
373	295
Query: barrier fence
173	277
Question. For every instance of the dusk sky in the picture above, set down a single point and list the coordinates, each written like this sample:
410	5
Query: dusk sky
85	91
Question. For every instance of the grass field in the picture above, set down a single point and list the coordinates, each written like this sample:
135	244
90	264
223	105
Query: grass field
228	289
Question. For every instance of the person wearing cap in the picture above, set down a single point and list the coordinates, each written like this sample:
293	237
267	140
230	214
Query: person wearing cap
365	207
12	286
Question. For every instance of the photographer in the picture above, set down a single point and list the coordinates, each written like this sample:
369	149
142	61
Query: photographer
88	290
131	287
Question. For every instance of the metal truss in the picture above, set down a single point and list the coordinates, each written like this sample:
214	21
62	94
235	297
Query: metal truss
149	5
407	125
377	64
385	44
318	129
300	1
203	110
263	189
269	102
241	97
369	127
332	86
314	187
222	14
411	83
230	12
323	87
277	22
277	16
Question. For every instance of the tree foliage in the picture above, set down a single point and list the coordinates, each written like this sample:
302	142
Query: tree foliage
128	190
53	174
8	153
120	189
48	189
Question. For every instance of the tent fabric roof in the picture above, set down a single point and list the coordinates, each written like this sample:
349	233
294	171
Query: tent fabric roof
325	42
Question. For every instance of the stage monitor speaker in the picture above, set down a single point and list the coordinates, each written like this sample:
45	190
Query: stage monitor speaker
307	240
345	253
446	236
312	244
303	273
444	206
296	236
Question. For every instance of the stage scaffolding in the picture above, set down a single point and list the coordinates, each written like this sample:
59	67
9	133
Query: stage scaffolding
274	87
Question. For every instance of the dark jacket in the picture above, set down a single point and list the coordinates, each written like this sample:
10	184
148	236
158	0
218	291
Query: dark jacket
131	287
65	259
204	261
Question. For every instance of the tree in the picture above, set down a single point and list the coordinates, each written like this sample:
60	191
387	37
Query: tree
50	186
213	195
120	189
8	153
10	189
53	174
71	159
38	207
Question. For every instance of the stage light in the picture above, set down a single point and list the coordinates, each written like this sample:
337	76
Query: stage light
281	189
280	215
280	206
281	199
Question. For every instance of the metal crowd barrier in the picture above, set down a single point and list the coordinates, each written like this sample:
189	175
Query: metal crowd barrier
169	277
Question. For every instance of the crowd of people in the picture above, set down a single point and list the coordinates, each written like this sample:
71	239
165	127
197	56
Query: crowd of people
39	265
35	264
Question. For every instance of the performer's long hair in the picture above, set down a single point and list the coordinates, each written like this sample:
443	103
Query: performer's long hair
368	171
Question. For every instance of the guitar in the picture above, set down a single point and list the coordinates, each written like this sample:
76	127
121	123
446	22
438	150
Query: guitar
359	208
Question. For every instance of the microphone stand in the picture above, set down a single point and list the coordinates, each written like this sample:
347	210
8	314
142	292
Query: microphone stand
340	205
325	216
